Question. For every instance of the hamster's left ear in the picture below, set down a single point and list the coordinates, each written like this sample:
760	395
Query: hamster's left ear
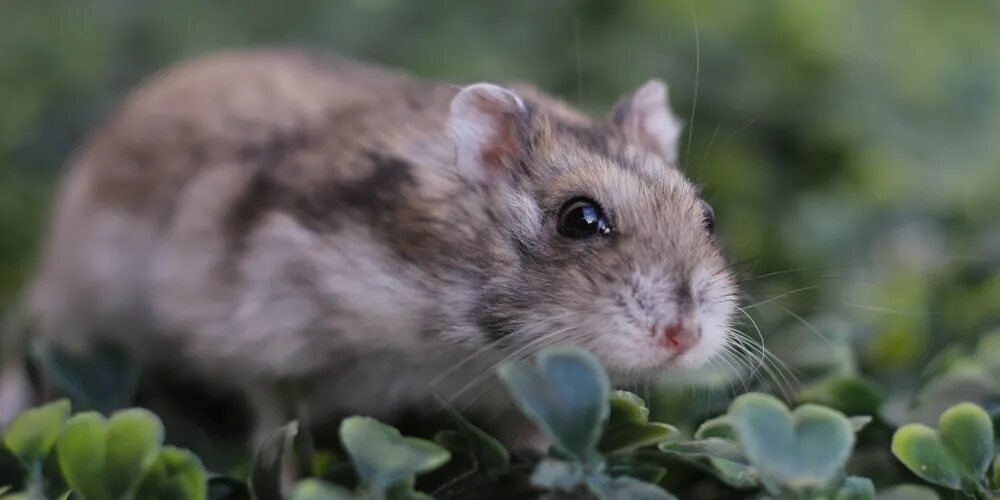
647	121
487	123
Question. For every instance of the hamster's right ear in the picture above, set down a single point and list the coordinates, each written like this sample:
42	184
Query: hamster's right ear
646	119
488	125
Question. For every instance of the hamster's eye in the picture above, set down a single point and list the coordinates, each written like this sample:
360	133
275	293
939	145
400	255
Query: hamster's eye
581	218
708	217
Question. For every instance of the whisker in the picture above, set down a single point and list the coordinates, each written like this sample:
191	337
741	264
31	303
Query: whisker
807	325
526	348
901	312
697	76
781	296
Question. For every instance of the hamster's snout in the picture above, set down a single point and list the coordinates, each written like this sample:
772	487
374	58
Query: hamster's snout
679	336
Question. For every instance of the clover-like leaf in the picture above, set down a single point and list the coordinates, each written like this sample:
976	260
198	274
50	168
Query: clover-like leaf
81	449
453	441
553	474
734	469
801	450
708	447
383	457
856	488
908	492
628	427
955	456
491	456
175	475
314	489
133	441
642	471
859	422
107	458
625	488
269	462
995	474
565	391
33	433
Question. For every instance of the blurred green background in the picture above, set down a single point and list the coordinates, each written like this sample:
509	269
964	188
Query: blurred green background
850	148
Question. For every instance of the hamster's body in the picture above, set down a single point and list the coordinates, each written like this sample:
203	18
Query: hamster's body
269	218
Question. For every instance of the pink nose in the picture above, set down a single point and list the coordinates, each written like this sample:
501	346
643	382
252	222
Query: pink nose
680	338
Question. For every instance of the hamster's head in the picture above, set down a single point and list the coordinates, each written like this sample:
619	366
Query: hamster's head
607	244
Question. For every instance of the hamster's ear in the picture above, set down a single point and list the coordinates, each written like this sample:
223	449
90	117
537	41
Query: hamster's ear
487	125
646	120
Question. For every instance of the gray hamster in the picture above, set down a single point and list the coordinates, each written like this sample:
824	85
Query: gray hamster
269	218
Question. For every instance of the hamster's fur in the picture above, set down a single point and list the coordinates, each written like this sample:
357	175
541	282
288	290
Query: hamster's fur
270	218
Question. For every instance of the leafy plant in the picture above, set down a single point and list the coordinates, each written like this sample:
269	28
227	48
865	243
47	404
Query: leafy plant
566	393
100	458
385	460
957	455
601	444
801	451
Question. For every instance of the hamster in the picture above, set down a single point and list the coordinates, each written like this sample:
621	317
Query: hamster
270	219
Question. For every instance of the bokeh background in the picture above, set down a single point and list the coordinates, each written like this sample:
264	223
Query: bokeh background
851	149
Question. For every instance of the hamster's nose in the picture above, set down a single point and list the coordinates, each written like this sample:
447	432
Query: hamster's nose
680	337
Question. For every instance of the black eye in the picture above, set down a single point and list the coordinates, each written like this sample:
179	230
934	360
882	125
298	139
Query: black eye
581	218
708	217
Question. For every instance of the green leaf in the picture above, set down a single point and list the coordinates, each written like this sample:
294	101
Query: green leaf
133	442
82	448
491	456
802	450
709	447
383	457
628	428
565	391
625	488
625	406
634	436
269	463
968	432
965	437
921	450
33	433
643	472
956	456
734	470
106	459
553	474
314	489
908	492
860	422
453	441
856	488
176	474
995	475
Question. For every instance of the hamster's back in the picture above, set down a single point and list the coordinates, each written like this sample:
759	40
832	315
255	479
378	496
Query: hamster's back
184	152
